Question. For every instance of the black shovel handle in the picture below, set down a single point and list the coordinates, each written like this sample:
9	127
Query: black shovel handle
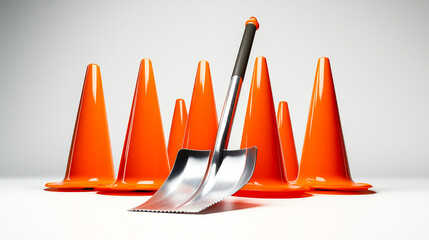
246	45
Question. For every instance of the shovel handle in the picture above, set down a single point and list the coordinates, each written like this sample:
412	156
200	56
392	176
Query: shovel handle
246	45
231	100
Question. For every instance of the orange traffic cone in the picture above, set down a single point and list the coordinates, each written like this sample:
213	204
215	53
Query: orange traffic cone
177	130
201	128
260	130
144	163
90	161
324	162
287	142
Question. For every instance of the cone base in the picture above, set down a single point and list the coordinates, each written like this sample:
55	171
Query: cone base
121	186
337	186
278	190
77	184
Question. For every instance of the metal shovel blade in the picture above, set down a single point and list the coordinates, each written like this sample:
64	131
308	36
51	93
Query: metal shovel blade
181	191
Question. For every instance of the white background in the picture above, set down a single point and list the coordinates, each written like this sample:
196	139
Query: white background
378	50
380	58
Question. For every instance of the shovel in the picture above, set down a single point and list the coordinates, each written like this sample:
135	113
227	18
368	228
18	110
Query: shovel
200	179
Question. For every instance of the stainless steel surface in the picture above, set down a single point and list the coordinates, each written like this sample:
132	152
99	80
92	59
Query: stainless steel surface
234	172
182	183
200	179
228	113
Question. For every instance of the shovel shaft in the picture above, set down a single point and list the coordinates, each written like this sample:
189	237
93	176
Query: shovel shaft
231	100
228	113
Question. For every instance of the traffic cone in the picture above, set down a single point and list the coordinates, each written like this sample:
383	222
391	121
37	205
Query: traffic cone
201	128
260	130
286	139
144	161
177	130
90	161
324	162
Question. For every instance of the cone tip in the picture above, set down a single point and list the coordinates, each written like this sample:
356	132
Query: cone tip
283	103
283	106
323	64
203	63
144	60
179	101
253	21
261	59
93	65
145	65
323	59
180	106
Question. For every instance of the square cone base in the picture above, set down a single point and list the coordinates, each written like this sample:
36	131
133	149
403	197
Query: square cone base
142	186
77	184
335	185
271	190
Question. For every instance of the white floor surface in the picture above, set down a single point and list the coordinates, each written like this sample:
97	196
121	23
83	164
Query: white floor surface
399	209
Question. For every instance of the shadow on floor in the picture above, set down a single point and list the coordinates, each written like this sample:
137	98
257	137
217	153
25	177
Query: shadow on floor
125	193
230	204
69	190
333	192
276	195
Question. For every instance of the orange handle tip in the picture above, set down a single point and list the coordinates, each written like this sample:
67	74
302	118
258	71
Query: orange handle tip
253	21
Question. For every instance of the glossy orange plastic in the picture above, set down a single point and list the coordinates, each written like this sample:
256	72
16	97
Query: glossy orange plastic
177	130
324	163
253	21
144	162
90	160
201	128
260	130
287	141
